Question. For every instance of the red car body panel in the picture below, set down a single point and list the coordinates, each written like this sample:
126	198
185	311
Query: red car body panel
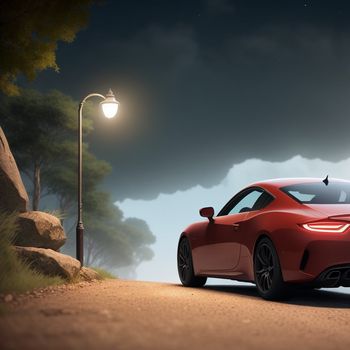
225	247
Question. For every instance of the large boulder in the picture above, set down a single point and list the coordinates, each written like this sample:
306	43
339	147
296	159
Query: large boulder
13	195
87	274
41	230
49	262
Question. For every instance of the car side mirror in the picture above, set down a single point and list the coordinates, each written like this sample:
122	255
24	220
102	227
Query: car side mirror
207	212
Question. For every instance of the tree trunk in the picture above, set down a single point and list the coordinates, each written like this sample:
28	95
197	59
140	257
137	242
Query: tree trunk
36	183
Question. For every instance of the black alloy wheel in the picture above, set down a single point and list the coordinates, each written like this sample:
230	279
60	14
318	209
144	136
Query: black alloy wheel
267	271
185	266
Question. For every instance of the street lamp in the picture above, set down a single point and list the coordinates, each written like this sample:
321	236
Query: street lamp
110	108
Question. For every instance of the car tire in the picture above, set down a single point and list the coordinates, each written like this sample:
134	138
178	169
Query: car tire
267	272
185	266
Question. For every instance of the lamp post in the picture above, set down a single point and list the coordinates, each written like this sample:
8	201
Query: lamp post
110	108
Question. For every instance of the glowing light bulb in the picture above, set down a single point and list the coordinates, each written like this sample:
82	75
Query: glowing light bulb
110	105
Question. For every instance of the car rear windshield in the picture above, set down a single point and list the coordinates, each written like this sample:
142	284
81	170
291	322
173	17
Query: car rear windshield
319	193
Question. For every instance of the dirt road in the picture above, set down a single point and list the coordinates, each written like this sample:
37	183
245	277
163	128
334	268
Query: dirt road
118	314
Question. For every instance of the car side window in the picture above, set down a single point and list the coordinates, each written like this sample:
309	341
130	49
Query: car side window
246	203
250	199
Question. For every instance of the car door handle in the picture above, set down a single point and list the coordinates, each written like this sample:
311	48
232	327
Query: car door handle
235	226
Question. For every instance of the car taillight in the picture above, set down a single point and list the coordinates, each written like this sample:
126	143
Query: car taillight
326	226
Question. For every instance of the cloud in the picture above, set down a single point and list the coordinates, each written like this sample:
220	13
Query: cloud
288	41
169	214
268	93
156	52
199	94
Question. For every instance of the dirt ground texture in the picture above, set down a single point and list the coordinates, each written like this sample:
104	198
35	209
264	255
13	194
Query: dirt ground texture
119	314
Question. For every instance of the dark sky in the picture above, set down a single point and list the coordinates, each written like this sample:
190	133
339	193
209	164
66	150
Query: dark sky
204	84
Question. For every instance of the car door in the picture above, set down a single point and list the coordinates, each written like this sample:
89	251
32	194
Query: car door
220	250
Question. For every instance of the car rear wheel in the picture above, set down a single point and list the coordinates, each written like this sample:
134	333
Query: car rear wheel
185	266
267	271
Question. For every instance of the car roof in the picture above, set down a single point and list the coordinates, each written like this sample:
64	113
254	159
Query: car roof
278	183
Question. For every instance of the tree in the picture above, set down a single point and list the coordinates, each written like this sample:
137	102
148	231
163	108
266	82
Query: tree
29	32
60	177
110	240
38	126
42	133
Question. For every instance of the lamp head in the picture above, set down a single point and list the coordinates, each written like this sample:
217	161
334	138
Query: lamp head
110	105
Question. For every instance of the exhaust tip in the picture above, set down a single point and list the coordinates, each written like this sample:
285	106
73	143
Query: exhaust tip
333	275
345	280
332	278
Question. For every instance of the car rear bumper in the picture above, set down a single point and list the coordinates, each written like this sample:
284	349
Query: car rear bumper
312	260
335	276
325	254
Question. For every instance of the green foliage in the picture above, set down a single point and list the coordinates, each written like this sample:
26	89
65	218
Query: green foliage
60	178
104	273
41	130
29	32
15	276
113	242
33	120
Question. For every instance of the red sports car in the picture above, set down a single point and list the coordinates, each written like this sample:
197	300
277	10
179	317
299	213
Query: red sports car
276	234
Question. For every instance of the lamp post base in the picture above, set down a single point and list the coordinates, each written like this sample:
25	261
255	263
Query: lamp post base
80	243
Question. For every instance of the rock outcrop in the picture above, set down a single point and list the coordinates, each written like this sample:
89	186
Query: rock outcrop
40	230
40	234
49	262
87	274
13	195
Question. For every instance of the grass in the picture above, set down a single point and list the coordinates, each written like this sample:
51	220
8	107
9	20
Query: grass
16	276
59	214
104	273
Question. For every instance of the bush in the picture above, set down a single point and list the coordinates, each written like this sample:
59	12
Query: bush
16	276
